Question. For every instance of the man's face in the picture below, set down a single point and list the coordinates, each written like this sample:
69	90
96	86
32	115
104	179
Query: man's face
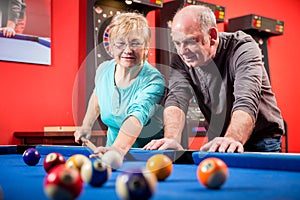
192	46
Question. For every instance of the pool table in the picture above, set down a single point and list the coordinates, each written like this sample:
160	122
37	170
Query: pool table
251	175
25	48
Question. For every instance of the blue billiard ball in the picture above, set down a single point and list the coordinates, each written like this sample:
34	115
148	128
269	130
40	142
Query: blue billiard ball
31	156
95	173
136	184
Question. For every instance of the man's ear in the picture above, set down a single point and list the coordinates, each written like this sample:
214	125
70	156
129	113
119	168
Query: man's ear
213	32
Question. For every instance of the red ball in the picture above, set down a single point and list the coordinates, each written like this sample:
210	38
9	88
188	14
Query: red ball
53	159
212	172
63	183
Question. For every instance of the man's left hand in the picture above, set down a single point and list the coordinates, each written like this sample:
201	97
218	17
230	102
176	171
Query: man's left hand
8	32
223	144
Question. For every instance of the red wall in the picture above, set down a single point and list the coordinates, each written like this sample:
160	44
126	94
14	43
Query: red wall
38	12
34	96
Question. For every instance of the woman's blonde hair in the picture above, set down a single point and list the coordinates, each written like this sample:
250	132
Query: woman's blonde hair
125	24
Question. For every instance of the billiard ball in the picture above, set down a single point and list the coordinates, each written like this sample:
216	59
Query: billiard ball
95	173
160	165
76	161
63	183
53	159
212	172
112	159
31	156
136	184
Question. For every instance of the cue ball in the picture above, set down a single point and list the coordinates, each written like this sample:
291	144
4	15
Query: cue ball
76	161
136	184
212	172
112	159
95	173
63	183
160	165
53	159
31	156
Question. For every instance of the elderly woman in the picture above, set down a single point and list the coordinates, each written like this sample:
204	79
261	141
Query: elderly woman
127	89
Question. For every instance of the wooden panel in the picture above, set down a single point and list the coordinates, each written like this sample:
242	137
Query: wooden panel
57	138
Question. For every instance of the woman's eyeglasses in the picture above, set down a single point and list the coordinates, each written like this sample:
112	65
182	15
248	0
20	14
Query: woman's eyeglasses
131	45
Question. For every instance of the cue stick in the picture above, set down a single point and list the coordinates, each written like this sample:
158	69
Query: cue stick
112	164
90	145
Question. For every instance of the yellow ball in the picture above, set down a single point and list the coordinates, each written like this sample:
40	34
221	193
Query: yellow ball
160	165
76	161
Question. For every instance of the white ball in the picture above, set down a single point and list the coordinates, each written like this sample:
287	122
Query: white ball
112	159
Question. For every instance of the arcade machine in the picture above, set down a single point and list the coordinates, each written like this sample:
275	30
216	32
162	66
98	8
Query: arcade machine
261	29
99	15
195	132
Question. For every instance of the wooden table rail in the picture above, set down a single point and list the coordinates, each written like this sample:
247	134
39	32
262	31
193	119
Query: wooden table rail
56	137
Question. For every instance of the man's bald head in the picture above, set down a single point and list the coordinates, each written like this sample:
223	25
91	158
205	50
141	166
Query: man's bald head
196	17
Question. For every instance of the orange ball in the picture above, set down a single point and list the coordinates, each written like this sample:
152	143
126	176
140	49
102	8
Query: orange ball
212	172
160	165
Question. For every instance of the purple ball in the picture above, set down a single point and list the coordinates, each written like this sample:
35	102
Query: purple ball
136	184
31	156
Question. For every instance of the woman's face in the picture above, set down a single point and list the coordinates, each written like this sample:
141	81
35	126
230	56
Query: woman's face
130	50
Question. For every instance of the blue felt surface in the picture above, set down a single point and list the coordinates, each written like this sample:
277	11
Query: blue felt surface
64	150
134	154
19	181
273	161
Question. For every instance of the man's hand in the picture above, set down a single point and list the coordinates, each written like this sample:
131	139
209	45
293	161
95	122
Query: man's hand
223	144
162	144
8	32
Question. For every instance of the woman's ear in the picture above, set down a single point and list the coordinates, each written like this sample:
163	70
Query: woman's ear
213	32
146	53
110	52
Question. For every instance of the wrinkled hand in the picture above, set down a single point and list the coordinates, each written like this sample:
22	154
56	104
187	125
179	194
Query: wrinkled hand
162	144
8	31
87	133
102	150
223	144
